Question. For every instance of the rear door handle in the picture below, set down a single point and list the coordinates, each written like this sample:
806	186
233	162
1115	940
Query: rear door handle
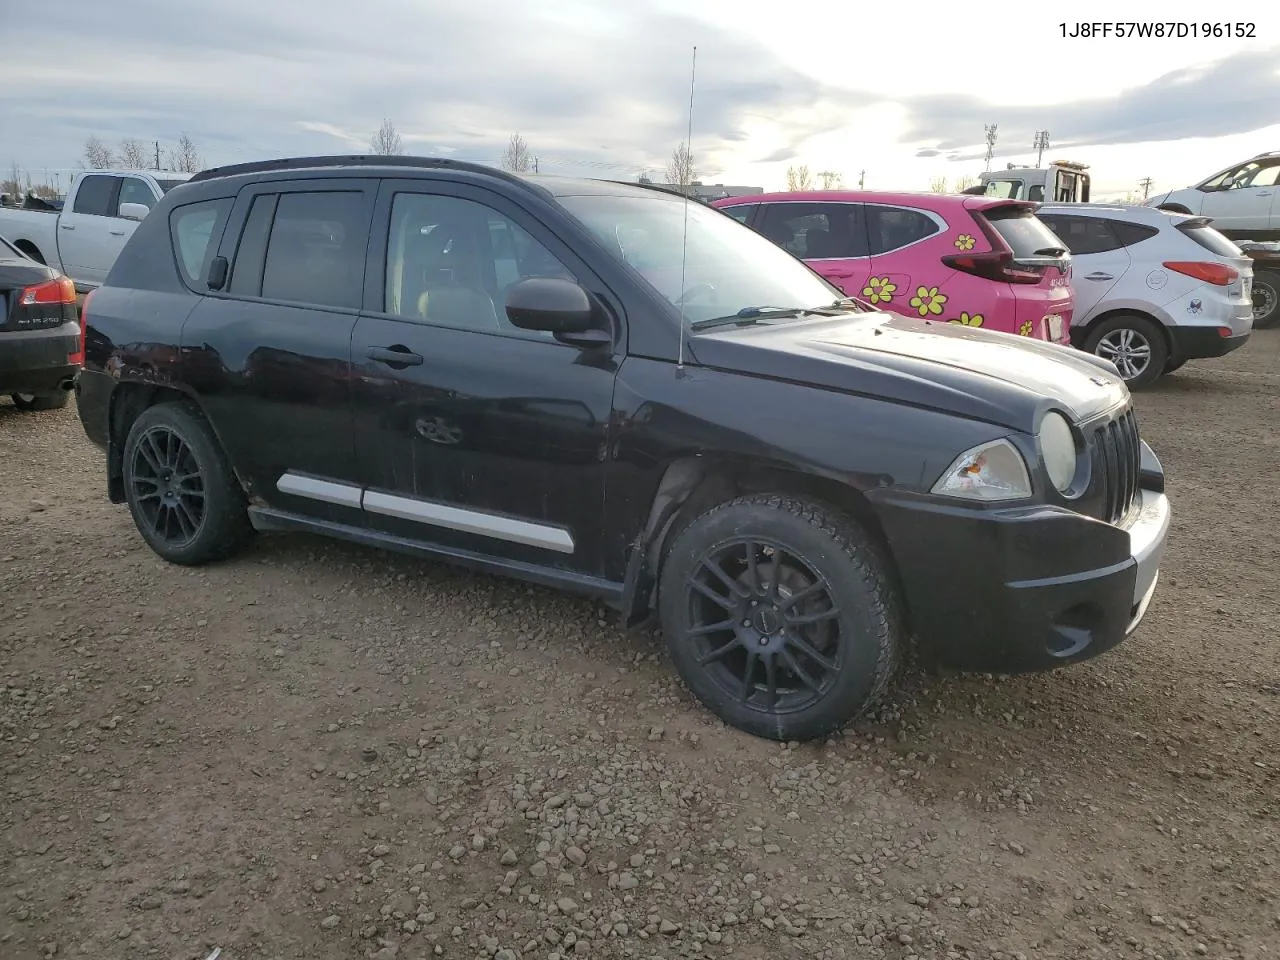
395	356
117	233
67	226
1099	276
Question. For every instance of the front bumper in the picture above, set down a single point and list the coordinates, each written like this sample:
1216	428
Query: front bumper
36	361
1012	590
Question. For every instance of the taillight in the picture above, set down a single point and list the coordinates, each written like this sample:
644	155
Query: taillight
77	358
1219	274
997	265
57	290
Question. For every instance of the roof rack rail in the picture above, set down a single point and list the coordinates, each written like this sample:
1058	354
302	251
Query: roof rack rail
659	187
353	160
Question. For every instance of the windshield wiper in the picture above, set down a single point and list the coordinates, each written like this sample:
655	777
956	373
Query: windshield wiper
747	316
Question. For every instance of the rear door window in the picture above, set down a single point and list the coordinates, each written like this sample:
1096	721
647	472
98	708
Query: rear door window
741	211
304	247
1133	233
96	195
1024	232
1083	235
817	231
892	228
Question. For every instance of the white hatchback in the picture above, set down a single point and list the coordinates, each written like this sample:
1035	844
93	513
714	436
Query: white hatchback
1153	289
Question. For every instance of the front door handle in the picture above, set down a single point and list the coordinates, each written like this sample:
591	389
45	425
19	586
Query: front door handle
395	356
116	233
67	226
1099	276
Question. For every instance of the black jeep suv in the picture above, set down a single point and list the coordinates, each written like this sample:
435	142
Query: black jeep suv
611	389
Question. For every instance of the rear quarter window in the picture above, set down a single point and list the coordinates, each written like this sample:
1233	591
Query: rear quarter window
1024	232
196	229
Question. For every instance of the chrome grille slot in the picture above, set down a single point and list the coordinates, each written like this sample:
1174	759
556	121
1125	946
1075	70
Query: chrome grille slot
1117	457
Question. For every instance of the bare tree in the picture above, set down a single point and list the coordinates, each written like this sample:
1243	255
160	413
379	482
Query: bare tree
133	156
97	155
386	142
184	158
680	168
829	180
799	178
938	184
964	183
12	185
517	158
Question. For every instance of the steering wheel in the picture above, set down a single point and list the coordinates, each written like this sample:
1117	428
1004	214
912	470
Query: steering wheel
695	289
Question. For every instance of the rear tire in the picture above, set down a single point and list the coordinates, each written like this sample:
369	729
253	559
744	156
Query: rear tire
1266	299
1173	365
183	496
780	616
41	401
1135	344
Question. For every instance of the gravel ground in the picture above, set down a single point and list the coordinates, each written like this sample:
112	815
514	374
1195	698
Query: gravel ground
324	751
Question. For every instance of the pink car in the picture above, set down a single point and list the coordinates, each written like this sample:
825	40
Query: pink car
980	261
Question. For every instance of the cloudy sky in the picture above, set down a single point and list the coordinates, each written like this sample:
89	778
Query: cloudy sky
900	91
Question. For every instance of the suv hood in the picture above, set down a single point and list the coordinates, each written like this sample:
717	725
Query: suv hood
980	374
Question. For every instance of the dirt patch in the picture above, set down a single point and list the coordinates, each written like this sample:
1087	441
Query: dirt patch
324	751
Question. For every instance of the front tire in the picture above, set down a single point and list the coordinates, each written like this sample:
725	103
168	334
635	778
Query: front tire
31	402
1135	344
184	499
1266	299
780	616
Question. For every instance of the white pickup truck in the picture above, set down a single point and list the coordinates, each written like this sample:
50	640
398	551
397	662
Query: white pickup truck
101	212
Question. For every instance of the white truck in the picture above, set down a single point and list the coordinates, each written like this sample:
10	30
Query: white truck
1060	182
101	211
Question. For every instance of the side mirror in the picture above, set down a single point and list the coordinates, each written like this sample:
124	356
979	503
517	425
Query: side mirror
134	211
550	304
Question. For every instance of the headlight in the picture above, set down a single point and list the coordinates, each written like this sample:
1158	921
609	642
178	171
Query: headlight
1058	449
992	471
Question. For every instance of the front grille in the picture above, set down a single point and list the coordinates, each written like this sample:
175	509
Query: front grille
1117	459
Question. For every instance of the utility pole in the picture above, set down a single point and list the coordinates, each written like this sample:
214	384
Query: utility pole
990	131
1041	143
1145	184
157	154
862	177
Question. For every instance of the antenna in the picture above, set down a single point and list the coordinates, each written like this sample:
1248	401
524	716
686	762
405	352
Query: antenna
684	239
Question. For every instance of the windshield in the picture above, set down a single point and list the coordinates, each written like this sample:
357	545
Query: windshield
729	267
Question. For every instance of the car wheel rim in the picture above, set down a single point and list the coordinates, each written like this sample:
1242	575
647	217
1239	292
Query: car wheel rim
764	627
168	487
1264	300
1128	349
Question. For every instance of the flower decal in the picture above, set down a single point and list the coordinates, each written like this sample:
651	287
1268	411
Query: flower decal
928	300
968	319
880	290
1026	328
964	242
